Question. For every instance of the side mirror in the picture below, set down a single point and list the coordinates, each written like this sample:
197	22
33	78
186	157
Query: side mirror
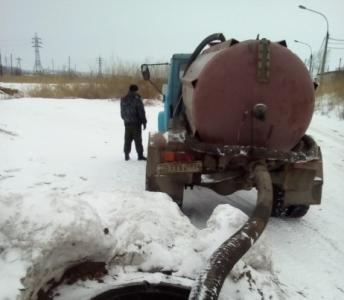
145	72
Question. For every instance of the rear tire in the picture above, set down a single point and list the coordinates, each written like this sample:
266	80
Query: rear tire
278	201
296	211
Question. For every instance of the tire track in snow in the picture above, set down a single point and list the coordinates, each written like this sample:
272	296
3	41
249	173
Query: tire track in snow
319	233
8	132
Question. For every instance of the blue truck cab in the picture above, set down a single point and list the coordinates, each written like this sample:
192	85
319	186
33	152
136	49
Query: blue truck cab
170	97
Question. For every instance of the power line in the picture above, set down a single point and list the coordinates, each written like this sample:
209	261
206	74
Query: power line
18	70
337	43
339	40
37	43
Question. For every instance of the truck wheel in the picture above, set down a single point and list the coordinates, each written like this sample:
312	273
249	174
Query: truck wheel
278	201
296	211
278	209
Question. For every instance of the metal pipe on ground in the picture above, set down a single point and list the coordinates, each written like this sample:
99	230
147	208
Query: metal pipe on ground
209	282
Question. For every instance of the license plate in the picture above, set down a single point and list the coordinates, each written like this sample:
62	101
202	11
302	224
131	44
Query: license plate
176	167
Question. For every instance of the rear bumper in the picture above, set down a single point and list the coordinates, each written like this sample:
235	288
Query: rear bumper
226	169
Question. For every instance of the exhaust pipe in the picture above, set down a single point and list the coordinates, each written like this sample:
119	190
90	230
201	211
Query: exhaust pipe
209	282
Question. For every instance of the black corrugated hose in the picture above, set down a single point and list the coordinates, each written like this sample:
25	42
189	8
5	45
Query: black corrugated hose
207	41
210	280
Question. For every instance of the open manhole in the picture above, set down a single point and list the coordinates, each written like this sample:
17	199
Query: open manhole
146	291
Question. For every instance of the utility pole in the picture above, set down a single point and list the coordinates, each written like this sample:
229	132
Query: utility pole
323	63
100	62
37	43
18	70
310	68
1	71
52	65
69	65
11	61
340	63
325	51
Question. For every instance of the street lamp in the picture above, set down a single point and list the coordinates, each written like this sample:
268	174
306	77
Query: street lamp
311	56
326	38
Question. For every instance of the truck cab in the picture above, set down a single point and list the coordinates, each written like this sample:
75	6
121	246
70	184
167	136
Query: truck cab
171	95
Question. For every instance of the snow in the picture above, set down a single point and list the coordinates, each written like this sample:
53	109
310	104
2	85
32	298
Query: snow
330	105
22	88
315	241
63	180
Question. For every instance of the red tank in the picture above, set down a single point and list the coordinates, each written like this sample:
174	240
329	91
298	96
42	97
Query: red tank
251	93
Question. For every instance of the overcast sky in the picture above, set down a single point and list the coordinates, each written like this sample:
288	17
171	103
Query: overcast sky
152	30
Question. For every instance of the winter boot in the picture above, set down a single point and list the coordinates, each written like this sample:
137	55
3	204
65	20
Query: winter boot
127	157
141	157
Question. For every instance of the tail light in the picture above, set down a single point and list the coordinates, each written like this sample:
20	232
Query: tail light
169	156
178	156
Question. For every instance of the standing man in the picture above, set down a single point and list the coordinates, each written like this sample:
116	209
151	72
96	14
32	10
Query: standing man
134	116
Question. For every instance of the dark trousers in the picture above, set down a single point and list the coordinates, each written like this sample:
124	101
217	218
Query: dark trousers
133	132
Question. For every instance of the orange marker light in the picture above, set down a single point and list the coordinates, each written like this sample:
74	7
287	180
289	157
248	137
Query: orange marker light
169	156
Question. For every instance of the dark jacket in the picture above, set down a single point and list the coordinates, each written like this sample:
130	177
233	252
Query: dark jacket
132	109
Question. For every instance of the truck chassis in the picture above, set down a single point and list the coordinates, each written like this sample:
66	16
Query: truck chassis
177	161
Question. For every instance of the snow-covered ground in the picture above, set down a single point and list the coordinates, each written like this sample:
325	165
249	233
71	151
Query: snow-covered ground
67	195
331	104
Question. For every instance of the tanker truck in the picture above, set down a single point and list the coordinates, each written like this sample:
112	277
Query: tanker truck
235	117
227	106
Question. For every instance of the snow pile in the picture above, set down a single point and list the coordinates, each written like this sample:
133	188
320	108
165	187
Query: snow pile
152	235
46	234
132	232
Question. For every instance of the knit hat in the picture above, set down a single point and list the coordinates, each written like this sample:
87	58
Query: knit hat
133	88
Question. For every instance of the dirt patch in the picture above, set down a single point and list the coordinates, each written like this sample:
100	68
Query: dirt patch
8	91
88	270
